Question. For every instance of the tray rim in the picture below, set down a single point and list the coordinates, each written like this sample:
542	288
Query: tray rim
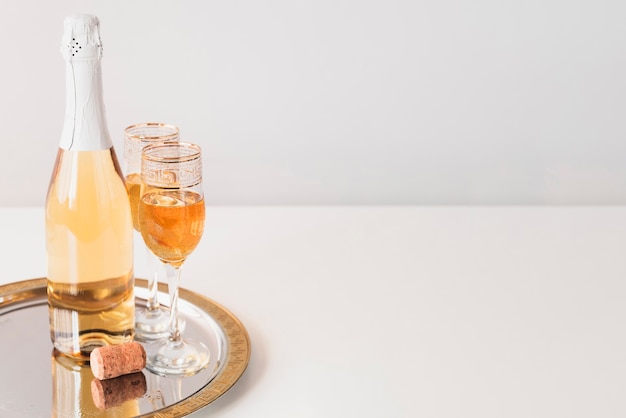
237	341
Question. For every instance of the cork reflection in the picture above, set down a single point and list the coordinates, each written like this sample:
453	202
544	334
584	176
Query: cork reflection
110	393
72	386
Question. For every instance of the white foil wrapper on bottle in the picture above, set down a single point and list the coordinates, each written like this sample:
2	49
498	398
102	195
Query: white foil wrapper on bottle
85	112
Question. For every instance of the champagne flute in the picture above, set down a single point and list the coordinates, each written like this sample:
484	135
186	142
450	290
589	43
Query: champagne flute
152	322
171	218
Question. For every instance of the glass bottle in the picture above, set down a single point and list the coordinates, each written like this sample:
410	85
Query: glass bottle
89	238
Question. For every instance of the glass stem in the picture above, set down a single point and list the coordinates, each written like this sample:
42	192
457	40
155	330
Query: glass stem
173	279
153	284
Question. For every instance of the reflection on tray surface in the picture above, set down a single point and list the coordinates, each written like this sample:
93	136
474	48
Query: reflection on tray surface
72	391
113	392
65	384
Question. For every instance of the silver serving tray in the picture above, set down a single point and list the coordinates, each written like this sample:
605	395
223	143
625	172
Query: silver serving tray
36	382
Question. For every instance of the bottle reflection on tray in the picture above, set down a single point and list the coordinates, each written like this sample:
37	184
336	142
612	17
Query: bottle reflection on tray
72	382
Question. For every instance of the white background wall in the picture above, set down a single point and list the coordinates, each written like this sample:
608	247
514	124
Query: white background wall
342	101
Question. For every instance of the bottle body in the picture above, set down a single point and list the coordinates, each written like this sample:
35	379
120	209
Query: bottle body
90	253
89	238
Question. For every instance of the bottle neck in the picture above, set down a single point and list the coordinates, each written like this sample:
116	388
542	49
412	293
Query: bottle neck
85	127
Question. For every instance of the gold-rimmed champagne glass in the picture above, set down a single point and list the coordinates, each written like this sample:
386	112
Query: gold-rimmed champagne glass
171	218
151	322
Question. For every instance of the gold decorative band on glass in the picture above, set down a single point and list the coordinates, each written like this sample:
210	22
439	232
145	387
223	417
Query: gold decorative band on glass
140	135
168	166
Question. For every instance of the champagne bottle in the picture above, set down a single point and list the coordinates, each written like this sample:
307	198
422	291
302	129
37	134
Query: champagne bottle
89	238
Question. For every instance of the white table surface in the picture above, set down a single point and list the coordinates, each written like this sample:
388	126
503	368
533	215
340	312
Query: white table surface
406	311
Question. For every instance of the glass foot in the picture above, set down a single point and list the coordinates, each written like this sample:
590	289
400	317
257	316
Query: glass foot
184	357
153	324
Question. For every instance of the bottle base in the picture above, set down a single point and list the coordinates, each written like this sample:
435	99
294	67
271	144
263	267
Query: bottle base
81	349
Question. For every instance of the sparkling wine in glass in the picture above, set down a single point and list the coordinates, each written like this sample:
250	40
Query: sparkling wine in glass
171	217
151	322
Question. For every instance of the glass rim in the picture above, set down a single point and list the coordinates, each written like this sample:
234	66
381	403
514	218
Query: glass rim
149	152
175	131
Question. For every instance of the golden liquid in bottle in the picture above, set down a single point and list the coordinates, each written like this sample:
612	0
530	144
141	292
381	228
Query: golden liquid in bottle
133	186
171	223
90	253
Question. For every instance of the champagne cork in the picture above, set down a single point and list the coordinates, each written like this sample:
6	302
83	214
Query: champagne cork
115	360
112	392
